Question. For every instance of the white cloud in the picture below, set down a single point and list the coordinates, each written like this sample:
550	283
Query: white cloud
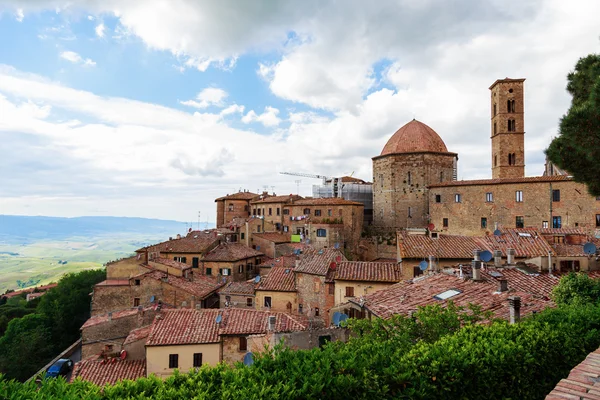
268	118
90	17
19	15
232	109
207	97
75	58
100	30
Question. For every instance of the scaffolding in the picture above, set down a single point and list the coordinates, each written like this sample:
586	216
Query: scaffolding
359	192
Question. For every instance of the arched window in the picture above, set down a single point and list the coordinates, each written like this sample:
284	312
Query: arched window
409	179
507	105
494	109
514	125
442	176
509	125
495	128
509	158
514	158
512	106
495	160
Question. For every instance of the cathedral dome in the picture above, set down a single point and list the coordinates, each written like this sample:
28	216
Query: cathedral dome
414	137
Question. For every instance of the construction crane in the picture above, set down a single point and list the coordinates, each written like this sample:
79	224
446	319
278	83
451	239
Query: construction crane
336	182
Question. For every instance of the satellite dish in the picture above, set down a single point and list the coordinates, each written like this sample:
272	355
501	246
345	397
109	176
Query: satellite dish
497	232
123	355
248	359
152	299
257	279
589	248
431	227
423	265
343	317
336	246
336	318
219	319
485	256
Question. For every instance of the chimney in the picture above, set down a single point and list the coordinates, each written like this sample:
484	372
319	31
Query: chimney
476	254
502	285
514	304
272	320
399	243
497	258
550	262
476	268
297	262
146	257
193	303
432	263
110	316
510	256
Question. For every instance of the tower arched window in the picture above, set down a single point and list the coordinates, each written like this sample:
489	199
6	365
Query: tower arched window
495	128
408	178
514	158
512	106
509	158
494	109
495	160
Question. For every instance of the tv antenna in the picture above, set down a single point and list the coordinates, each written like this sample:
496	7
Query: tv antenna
266	188
198	220
298	182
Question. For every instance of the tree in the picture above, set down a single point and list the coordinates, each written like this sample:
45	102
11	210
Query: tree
577	148
576	289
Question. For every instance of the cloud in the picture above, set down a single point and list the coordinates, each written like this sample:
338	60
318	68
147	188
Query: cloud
100	30
232	109
19	15
207	97
213	166
268	118
75	58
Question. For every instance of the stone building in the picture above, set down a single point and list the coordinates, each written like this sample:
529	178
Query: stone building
271	208
238	295
232	261
414	158
353	279
277	291
267	242
232	206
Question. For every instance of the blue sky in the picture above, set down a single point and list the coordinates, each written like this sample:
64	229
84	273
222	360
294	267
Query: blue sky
154	109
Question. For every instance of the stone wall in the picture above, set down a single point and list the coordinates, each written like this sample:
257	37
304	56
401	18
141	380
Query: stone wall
264	246
309	339
314	293
237	301
125	268
136	350
279	301
111	298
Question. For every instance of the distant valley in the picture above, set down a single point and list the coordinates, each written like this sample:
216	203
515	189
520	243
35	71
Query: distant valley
39	250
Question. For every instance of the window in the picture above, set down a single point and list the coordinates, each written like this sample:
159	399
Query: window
136	302
512	159
556	222
597	220
258	211
208	271
240	269
349	291
494	109
558	239
329	212
258	228
286	211
317	213
511	125
489	197
270	211
267	301
417	271
441	176
197	359
231	207
331	289
519	196
249	267
445	222
495	128
246	208
483	222
306	211
286	228
173	360
242	235
300	308
225	271
249	302
409	212
438	198
180	259
510	106
408	178
321	233
278	211
457	198
447	294
556	195
519	222
495	161
316	311
137	282
243	343
544	224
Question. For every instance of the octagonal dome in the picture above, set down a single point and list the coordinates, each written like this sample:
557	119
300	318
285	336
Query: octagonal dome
414	137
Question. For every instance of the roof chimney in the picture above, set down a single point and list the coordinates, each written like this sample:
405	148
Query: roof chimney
510	256
476	254
476	268
502	285
110	316
497	258
272	320
514	304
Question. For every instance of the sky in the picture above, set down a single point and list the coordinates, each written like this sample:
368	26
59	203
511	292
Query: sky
155	108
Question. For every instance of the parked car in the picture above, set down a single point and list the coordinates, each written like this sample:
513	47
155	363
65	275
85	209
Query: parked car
60	368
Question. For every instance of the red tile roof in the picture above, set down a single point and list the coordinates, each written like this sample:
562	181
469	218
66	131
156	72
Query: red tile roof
583	383
368	271
325	201
243	288
99	319
196	242
138	334
171	263
30	290
238	196
108	372
236	222
414	137
114	282
185	326
525	246
283	261
405	297
231	252
274	237
561	231
501	181
317	262
201	286
277	199
280	279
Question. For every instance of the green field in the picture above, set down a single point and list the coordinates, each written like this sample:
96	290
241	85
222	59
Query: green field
41	262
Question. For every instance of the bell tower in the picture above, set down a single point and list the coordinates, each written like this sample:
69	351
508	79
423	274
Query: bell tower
508	128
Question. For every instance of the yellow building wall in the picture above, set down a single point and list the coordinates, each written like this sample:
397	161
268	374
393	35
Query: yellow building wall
166	268
157	357
360	289
279	300
125	268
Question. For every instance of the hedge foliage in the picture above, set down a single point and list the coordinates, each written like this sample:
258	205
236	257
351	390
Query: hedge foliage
435	354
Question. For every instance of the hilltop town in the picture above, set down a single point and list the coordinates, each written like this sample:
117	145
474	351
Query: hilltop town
290	269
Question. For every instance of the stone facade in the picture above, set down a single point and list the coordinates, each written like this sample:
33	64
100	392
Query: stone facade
508	128
232	206
358	288
400	187
280	301
539	202
240	270
124	268
314	293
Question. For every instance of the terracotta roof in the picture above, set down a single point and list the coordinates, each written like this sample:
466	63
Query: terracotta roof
238	196
185	326
108	372
138	334
404	297
201	286
317	262
525	246
114	282
501	181
280	279
171	263
583	383
444	246
274	237
561	231
99	319
368	271
195	242
288	249
236	222
231	252
42	288
283	261
414	137
277	199
244	288
506	80
325	201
